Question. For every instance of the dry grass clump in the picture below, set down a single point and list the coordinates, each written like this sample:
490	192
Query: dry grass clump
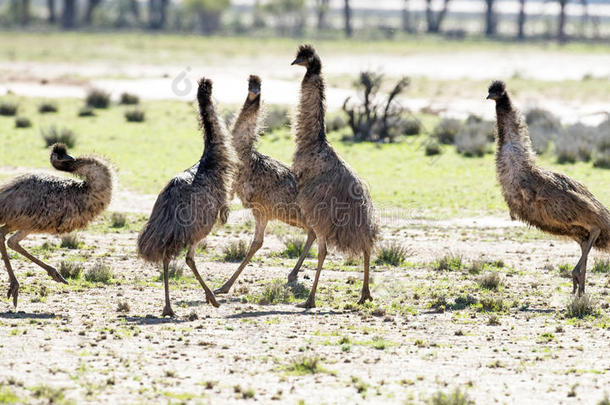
236	251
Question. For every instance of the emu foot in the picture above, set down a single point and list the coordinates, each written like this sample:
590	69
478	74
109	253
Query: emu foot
56	276
167	311
13	290
210	299
310	303
576	281
364	296
222	290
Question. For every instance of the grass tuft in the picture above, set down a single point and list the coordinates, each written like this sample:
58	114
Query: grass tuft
175	270
580	306
70	270
23	122
456	397
53	135
8	108
449	262
490	280
47	107
118	220
135	115
86	112
294	247
97	98
601	266
305	365
71	241
99	273
123	306
129	99
393	254
236	251
278	292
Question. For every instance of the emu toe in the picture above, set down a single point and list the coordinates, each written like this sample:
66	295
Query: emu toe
222	290
310	303
13	290
56	276
364	297
167	311
210	299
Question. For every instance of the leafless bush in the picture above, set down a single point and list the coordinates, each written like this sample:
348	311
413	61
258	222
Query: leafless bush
575	143
375	118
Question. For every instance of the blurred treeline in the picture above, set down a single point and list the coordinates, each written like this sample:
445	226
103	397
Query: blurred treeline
320	18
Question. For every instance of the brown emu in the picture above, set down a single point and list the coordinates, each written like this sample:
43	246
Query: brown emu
266	186
37	203
550	201
192	202
334	200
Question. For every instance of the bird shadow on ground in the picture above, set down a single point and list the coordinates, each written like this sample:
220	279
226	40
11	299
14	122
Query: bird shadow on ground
29	315
297	311
538	310
151	320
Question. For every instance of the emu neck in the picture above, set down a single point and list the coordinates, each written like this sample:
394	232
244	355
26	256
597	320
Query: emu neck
514	145
509	122
216	155
245	130
94	173
312	109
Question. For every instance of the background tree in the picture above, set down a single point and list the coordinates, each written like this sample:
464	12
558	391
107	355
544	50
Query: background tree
51	11
561	34
407	25
68	14
347	15
157	14
290	16
491	19
521	20
208	13
91	6
322	7
434	20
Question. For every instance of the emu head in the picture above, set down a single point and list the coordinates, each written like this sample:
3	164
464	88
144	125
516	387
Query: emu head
307	56
254	87
60	158
497	90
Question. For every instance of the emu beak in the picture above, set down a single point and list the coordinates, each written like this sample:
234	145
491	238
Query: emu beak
297	61
488	97
68	158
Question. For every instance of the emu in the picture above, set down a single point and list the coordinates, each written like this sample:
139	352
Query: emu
334	200
550	201
266	186
37	203
193	201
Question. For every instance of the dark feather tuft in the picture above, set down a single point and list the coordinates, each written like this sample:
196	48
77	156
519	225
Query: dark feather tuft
305	51
204	92
59	149
497	87
254	84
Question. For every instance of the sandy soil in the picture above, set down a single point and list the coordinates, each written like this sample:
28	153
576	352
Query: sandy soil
71	344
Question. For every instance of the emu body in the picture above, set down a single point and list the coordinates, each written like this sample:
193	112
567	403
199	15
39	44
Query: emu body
263	184
334	200
193	201
552	202
50	204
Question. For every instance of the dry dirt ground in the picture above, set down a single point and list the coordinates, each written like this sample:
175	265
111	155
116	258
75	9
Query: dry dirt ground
429	330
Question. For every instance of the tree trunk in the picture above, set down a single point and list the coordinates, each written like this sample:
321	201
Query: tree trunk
134	7
347	11
51	9
157	14
434	22
521	20
561	34
490	19
91	5
68	15
406	18
25	12
322	10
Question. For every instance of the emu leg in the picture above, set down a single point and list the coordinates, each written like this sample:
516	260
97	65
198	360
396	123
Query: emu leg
580	271
366	293
13	243
311	301
13	289
257	243
167	311
294	274
190	261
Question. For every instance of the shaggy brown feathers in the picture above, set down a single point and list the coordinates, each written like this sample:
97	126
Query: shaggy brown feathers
189	206
334	199
549	201
37	203
263	184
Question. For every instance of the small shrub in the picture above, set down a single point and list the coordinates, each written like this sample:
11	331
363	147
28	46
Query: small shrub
129	99
336	123
446	130
492	304
175	270
565	270
47	107
472	139
601	266
580	306
86	112
433	148
490	281
97	98
294	247
275	292
602	160
449	262
494	320
236	251
305	365
99	273
52	135
276	117
118	220
411	127
22	122
70	270
393	254
135	115
456	397
70	241
544	118
575	143
123	306
8	108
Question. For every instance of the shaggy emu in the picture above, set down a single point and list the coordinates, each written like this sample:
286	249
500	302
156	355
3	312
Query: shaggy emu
263	184
192	202
549	201
334	200
49	204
